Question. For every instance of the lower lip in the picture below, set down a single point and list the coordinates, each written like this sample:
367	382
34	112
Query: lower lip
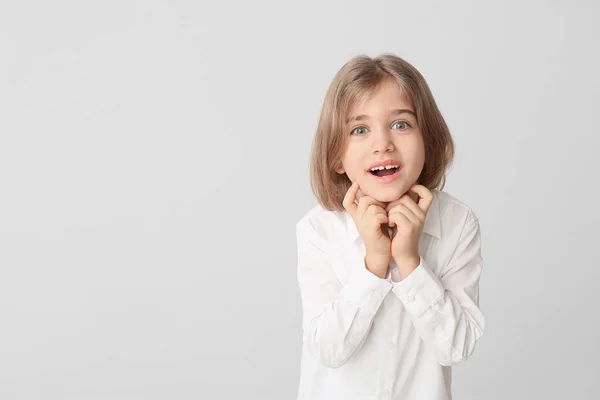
387	178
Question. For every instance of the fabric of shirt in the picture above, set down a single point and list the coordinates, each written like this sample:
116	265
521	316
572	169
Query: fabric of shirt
370	338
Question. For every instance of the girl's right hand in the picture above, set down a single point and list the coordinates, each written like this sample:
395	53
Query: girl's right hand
369	216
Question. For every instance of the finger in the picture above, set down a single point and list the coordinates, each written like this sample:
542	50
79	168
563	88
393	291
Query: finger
392	204
361	194
381	219
409	203
363	205
349	199
374	210
426	197
408	213
375	216
398	219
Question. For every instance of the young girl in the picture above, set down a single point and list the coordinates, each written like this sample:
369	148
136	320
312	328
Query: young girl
388	263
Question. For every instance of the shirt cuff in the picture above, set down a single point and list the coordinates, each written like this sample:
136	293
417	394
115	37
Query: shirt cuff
419	290
365	283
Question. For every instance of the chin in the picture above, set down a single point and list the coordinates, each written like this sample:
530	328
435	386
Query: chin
387	199
389	195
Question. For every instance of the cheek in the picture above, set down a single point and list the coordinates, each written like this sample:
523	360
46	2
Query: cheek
419	157
416	153
352	163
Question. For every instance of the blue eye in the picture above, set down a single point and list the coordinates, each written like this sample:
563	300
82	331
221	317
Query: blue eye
355	130
404	123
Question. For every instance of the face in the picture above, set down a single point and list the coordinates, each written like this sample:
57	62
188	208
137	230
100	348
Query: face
383	129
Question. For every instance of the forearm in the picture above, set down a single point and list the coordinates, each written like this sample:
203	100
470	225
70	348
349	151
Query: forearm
341	327
447	326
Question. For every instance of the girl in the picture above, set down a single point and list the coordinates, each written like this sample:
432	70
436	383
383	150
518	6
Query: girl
388	263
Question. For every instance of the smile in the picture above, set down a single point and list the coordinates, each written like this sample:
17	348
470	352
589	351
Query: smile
385	175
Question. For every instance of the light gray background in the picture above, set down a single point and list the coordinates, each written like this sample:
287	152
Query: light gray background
154	162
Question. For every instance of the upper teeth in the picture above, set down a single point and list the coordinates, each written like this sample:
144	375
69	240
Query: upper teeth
382	167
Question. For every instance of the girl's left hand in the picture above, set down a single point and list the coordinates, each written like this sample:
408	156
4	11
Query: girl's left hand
406	218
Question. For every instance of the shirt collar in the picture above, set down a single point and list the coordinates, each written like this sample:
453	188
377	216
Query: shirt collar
431	226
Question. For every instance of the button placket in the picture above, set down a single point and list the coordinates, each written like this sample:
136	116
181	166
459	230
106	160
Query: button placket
387	371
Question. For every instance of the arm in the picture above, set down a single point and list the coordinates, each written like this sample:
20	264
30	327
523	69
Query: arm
336	320
446	311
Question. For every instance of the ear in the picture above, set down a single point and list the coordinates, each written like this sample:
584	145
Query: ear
340	170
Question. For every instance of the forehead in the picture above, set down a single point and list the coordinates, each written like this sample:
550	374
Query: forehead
387	95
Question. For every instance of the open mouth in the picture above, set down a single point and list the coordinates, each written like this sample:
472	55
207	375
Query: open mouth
384	172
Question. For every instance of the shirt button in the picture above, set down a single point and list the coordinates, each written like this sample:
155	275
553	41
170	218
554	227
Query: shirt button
385	394
409	297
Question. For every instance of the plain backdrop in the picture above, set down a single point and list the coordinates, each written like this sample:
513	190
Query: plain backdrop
154	163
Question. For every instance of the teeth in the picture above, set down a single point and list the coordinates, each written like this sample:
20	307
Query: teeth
382	168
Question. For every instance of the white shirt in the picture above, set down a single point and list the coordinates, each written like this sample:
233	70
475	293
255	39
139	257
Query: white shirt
370	338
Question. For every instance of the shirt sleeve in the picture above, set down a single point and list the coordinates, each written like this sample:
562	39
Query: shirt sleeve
336	319
445	310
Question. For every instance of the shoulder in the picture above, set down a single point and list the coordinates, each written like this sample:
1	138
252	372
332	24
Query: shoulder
321	224
452	211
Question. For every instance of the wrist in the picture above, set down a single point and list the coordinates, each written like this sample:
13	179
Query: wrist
407	264
377	265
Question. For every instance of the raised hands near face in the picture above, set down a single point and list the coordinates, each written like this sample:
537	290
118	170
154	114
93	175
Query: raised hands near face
406	217
371	220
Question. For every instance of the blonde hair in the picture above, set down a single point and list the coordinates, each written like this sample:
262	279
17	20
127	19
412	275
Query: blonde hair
355	80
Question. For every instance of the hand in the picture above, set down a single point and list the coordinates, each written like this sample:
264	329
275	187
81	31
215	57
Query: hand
369	216
406	218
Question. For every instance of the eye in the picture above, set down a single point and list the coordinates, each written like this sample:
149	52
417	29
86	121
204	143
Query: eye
403	125
359	131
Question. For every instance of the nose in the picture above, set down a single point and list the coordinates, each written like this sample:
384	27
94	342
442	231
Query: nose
382	141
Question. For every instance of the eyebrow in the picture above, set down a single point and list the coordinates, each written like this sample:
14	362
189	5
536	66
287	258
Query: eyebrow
393	112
